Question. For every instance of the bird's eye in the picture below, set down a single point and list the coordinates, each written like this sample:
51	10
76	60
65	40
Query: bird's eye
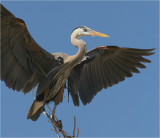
85	30
60	60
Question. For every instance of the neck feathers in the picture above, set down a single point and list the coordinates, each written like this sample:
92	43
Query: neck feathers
77	58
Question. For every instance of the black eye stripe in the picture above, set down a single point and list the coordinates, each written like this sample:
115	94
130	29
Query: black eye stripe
81	27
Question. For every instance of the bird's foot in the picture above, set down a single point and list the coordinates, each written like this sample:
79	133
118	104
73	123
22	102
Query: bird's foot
60	126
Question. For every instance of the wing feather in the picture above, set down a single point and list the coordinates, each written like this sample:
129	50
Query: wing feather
106	66
23	62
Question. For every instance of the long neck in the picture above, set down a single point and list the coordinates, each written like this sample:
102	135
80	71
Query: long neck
75	59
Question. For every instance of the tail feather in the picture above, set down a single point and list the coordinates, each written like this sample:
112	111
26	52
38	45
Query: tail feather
35	110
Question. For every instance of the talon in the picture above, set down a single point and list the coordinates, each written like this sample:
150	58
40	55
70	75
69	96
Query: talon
59	123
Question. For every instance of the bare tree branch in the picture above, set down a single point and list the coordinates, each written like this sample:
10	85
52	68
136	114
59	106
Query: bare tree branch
58	125
74	126
52	122
77	132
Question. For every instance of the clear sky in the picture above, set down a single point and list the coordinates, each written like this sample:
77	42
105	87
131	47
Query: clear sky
128	109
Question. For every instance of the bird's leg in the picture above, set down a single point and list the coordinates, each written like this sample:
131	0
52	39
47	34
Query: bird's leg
53	112
54	109
57	100
58	122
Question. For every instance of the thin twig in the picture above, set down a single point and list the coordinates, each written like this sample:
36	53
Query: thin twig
74	126
52	112
77	132
57	125
53	123
56	132
55	129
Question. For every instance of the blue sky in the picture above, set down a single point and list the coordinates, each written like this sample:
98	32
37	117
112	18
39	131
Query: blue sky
128	109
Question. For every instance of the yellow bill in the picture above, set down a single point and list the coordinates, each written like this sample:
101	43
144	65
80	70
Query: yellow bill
94	33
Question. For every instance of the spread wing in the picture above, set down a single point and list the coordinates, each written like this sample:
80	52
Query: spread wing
103	67
23	61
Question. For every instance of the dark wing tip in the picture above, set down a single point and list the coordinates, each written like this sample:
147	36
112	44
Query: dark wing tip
149	51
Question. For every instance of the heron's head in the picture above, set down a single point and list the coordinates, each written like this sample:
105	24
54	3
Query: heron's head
85	31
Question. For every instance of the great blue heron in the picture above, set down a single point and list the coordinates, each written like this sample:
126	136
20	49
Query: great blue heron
24	64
